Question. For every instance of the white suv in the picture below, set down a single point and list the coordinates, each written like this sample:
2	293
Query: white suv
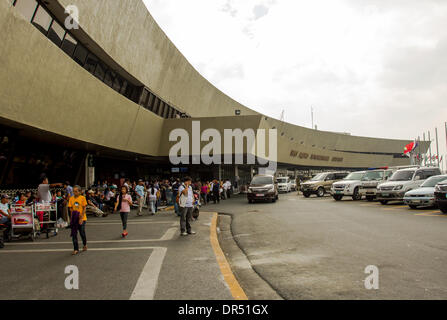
284	184
349	186
402	181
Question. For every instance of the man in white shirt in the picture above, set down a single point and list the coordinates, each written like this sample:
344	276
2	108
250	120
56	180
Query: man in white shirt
227	185
186	200
43	190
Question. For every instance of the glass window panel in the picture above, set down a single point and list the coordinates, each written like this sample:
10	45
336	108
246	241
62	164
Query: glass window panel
167	112
26	8
108	80
161	108
156	104
90	63
143	99
150	103
69	44
117	84
123	87
42	20
100	71
80	55
56	33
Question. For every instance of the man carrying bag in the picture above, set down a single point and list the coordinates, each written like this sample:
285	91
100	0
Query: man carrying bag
186	198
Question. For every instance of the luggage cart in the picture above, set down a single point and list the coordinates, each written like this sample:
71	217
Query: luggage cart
22	222
48	212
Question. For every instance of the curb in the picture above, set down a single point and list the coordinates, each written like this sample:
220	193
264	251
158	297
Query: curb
236	291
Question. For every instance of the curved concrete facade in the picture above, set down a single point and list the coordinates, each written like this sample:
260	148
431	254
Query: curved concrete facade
41	87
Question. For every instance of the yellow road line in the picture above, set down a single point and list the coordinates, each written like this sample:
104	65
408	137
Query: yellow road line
236	291
431	213
396	207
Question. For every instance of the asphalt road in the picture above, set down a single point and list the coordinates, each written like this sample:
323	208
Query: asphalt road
318	248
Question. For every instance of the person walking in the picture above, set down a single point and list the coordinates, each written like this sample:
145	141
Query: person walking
123	204
77	207
186	199
140	189
175	188
204	193
216	192
152	193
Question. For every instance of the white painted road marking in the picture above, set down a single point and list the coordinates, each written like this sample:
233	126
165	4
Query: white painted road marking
65	250
168	235
148	280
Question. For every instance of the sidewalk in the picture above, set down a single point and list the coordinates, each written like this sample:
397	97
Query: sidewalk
154	262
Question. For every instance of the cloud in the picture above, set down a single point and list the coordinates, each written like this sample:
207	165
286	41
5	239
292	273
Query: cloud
259	11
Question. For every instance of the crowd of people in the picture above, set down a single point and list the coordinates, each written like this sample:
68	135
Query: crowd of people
103	198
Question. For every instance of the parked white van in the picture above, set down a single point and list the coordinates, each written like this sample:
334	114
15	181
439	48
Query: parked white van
284	184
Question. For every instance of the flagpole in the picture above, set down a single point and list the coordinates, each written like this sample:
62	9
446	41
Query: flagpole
429	147
437	147
419	150
425	155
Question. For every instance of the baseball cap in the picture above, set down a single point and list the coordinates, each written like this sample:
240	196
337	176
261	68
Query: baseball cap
5	196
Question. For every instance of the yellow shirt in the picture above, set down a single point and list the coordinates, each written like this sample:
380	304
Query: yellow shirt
78	204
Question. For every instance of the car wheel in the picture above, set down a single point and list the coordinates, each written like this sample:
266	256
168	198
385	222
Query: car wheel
307	195
443	209
356	196
320	192
250	201
370	198
383	202
337	197
412	206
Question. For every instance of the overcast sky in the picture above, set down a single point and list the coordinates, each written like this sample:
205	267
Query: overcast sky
372	68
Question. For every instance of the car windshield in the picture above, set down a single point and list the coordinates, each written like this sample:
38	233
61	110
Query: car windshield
406	175
262	180
319	177
354	176
373	175
433	181
282	180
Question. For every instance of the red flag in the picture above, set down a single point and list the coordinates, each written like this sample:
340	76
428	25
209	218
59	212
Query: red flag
409	147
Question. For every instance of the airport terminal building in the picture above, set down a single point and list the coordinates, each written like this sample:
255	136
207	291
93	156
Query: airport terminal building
100	101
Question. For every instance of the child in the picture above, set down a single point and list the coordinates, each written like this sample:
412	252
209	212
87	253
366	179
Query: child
123	203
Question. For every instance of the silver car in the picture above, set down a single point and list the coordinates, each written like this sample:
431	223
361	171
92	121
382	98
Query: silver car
425	194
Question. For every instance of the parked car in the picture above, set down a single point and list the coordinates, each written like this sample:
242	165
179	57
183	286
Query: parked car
293	185
321	183
284	184
441	196
402	181
425	195
349	186
371	180
263	187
